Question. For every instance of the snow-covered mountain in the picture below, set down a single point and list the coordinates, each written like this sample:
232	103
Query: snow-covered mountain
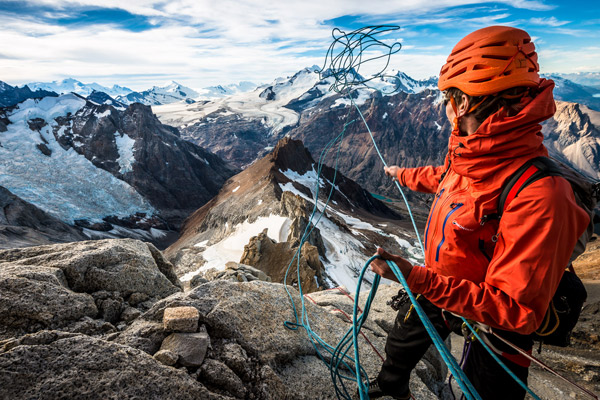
573	136
212	92
170	93
567	90
103	98
11	95
260	214
90	163
396	81
84	89
410	125
590	79
249	124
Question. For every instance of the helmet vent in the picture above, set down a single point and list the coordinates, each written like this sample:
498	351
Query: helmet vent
461	49
459	61
532	70
497	44
496	57
481	80
480	66
459	72
527	40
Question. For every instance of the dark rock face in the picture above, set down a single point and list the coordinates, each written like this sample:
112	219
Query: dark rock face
404	127
292	155
237	140
174	175
103	98
23	224
9	95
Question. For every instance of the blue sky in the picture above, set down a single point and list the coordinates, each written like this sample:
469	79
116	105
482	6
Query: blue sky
141	43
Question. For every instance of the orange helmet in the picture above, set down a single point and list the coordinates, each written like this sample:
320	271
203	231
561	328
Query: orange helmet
490	60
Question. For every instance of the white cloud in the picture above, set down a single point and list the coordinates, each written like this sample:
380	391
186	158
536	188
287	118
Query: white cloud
207	42
552	21
567	60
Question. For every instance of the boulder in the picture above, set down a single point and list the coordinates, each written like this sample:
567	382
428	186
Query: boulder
216	374
34	298
126	266
54	365
166	357
80	287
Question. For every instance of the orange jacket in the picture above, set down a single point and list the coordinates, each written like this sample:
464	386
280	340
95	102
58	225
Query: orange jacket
501	273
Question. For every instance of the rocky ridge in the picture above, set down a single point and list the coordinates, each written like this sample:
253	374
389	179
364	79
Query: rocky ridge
260	215
107	319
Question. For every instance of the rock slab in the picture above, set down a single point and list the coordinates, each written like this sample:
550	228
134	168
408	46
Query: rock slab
189	347
181	319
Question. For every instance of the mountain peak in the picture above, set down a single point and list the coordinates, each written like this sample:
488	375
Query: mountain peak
290	154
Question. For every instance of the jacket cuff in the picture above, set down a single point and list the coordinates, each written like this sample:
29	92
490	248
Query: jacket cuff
418	279
399	176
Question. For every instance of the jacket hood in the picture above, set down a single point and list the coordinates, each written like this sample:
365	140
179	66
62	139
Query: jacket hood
502	143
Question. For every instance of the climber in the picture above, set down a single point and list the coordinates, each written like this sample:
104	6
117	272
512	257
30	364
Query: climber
501	273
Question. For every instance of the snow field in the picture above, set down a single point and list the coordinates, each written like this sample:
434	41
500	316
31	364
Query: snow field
65	184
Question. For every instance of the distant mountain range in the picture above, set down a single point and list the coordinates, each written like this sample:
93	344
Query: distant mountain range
128	165
409	125
171	92
591	79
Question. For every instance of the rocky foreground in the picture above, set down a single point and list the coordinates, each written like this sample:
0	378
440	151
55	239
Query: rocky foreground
109	320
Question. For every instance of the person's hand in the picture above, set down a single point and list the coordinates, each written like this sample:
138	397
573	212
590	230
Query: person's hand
392	171
380	267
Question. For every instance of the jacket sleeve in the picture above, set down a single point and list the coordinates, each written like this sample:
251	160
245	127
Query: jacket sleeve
422	179
537	234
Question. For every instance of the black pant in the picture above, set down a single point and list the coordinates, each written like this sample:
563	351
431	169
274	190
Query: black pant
408	341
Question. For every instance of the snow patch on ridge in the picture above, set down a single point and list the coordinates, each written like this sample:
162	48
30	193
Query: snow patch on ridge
232	247
125	149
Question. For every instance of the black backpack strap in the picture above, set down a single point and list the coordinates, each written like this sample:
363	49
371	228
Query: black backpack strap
533	170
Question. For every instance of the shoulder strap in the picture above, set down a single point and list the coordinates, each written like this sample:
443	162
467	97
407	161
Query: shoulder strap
531	171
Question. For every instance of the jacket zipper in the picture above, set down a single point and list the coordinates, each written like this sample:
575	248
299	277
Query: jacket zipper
454	206
437	197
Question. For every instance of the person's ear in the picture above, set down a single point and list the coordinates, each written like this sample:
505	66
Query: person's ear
464	105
